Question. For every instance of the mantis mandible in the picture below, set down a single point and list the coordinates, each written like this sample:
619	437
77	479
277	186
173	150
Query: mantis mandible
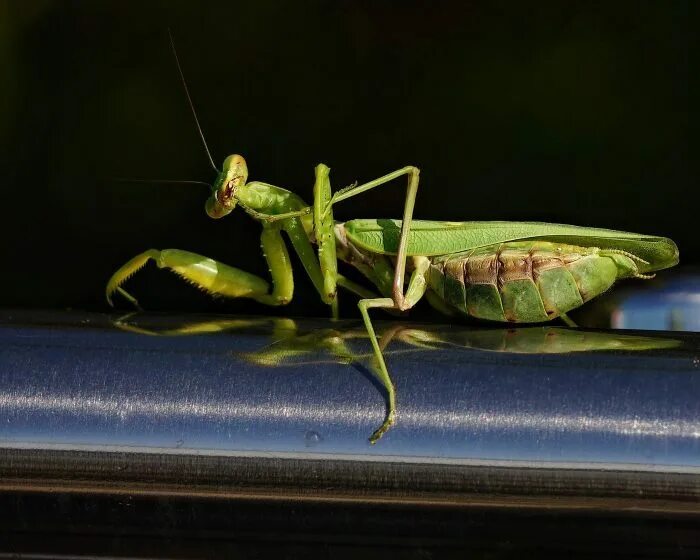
516	272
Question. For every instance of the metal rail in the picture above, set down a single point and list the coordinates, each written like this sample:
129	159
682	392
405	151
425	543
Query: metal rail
278	412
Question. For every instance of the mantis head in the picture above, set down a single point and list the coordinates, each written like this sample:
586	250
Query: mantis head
233	176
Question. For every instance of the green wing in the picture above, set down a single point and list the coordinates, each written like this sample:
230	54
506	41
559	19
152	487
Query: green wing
428	238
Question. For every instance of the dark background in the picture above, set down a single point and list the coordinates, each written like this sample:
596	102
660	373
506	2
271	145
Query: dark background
556	111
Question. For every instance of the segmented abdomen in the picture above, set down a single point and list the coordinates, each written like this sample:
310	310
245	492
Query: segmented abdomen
523	281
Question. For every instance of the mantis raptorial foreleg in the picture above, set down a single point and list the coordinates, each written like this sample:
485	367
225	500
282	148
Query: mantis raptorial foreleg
223	280
205	273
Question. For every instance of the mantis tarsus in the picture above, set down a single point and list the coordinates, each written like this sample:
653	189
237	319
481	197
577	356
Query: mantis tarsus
518	272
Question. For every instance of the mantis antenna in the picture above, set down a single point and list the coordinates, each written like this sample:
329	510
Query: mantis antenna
189	99
176	181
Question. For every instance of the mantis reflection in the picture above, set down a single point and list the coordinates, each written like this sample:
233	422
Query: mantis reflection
290	344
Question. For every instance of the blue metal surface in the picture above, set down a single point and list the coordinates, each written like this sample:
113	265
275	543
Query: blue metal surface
73	382
674	305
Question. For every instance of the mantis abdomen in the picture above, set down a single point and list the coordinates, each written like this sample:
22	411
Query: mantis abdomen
527	281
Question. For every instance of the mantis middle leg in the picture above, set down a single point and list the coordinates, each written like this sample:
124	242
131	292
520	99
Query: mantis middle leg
411	192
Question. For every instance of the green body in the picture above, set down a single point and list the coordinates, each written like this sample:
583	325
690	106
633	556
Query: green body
521	272
430	238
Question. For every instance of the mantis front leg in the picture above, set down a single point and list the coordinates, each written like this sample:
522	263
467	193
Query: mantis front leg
218	278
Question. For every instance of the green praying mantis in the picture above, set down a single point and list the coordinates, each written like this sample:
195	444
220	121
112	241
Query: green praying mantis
514	272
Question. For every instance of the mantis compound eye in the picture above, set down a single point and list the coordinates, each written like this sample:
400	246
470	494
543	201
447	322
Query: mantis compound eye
235	168
232	177
218	205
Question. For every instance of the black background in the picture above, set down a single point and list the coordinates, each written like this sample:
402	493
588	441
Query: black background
556	111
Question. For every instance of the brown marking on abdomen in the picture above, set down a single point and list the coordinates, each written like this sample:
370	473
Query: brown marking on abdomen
480	269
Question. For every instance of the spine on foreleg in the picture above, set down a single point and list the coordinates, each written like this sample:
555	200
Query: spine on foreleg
526	281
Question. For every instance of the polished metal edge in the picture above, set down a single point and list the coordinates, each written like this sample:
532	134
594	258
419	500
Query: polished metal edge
334	479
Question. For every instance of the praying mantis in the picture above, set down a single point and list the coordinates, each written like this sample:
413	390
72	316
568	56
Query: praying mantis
513	272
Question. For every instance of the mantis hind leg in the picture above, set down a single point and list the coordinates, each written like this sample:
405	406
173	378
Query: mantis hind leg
567	320
215	277
399	301
416	289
